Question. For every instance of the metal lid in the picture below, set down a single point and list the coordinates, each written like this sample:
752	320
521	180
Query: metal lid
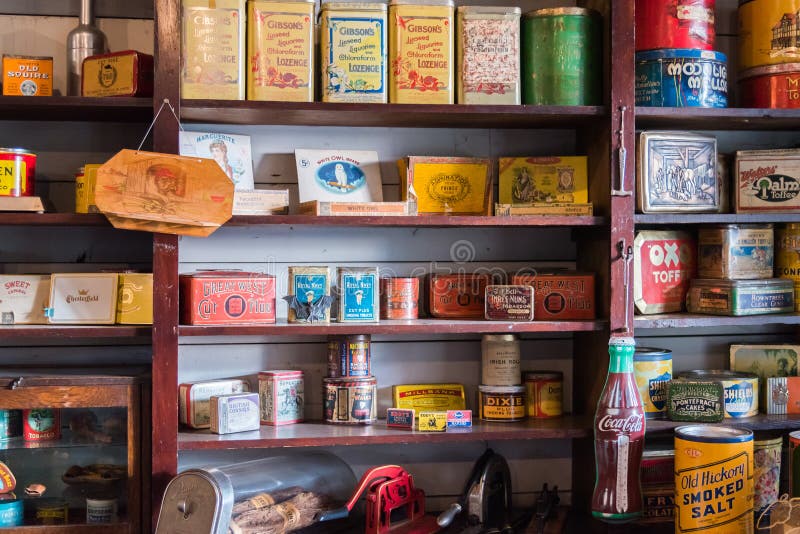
791	226
355	380
681	53
509	390
532	375
771	283
717	374
281	372
16	151
488	10
433	3
355	6
500	338
650	354
562	11
769	70
713	434
711	228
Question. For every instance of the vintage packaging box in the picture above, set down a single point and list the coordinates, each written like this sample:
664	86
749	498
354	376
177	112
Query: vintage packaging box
663	264
696	401
559	179
27	76
236	412
85	186
125	73
459	420
350	401
135	298
559	296
83	298
432	422
447	185
357	209
458	296
429	397
741	390
23	298
767	181
765	361
227	297
232	153
544	208
309	284
282	397
736	251
338	175
193	399
740	297
509	303
782	395
400	418
261	202
359	295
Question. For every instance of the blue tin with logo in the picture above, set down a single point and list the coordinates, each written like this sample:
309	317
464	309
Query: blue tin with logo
681	77
11	511
652	369
358	294
741	390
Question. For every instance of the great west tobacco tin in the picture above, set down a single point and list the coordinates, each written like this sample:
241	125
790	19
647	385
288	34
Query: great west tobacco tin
699	401
562	51
652	369
675	24
17	172
309	284
772	86
562	295
767	181
767	32
280	50
350	400
682	78
509	303
553	179
125	73
741	390
359	300
740	297
663	265
227	297
736	251
458	296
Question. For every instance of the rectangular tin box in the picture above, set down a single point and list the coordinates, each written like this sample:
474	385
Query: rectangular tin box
282	397
309	284
27	76
236	412
554	179
696	401
740	297
429	397
135	298
447	185
432	422
359	295
459	420
193	399
458	296
23	298
125	73
663	264
509	303
83	298
227	297
85	186
767	181
400	418
677	173
736	251
560	296
783	395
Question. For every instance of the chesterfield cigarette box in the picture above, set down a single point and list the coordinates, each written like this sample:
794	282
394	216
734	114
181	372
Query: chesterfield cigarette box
227	297
23	298
125	73
236	412
767	181
560	296
194	397
135	298
83	298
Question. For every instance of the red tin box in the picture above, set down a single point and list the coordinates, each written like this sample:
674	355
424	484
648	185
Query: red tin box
227	297
560	296
125	73
664	261
773	86
458	296
675	24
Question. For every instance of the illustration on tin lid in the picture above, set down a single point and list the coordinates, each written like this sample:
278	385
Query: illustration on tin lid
338	175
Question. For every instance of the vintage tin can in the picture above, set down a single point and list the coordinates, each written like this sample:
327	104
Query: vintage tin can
652	369
724	178
777	395
431	397
10	424
359	294
736	251
505	404
17	172
280	50
125	73
101	510
27	76
681	77
740	297
508	303
135	298
696	401
353	56
400	298
658	504
421	52
550	179
227	297
677	172
787	257
562	57
85	186
51	511
349	356
488	47
794	463
12	513
663	265
771	86
766	472
213	49
741	390
713	479
544	393
8	481
432	422
23	298
447	185
767	181
282	397
459	420
559	296
767	32
458	296
194	409
83	298
500	360
234	412
671	24
350	400
309	284
41	424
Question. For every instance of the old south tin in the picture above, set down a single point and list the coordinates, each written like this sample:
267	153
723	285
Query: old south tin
509	303
422	69
772	86
399	298
544	393
458	296
740	297
309	284
350	400
349	356
358	294
681	77
766	472
741	390
736	251
652	369
671	24
282	396
767	181
10	424
488	47
17	172
227	297
696	401
663	264
41	424
562	57
713	479
503	404
767	32
12	513
560	295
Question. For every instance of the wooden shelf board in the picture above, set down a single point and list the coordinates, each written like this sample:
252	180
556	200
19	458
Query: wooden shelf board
759	422
693	320
436	221
319	434
76	108
77	528
53	219
419	326
379	115
718	118
714	218
73	331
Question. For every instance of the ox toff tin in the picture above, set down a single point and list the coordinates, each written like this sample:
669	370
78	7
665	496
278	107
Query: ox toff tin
652	369
767	181
741	390
663	264
681	77
358	294
282	397
236	412
736	251
349	356
350	400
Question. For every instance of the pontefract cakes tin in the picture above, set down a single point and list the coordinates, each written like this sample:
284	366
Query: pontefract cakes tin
652	369
736	251
681	77
771	86
504	404
17	172
740	297
350	400
696	401
675	24
741	390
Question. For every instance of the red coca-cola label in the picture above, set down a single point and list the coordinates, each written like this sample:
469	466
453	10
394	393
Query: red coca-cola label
632	424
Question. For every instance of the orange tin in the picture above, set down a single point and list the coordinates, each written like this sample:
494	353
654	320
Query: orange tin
560	296
458	296
27	76
399	298
227	297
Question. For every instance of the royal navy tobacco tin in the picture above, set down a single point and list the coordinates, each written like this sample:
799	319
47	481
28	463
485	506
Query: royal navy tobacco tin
663	264
697	401
740	297
736	251
309	284
358	294
767	181
509	303
681	77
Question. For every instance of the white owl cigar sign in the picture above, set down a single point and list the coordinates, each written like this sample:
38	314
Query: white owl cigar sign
338	175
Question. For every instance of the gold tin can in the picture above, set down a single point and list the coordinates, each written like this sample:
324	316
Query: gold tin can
767	32
787	257
80	191
544	393
135	298
421	52
52	512
85	186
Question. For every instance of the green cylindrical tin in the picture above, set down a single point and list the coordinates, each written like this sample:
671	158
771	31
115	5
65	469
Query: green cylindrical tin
562	57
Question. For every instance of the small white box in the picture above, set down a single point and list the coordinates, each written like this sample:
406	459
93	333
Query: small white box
83	298
236	412
23	298
194	399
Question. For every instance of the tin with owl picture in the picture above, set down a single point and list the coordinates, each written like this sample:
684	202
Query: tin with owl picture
338	175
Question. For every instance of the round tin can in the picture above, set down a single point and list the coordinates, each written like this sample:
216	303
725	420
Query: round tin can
100	510
12	512
81	192
349	356
794	464
17	172
504	404
652	369
41	424
544	392
399	298
350	400
736	251
741	390
766	472
787	257
500	360
771	86
562	57
681	77
713	479
767	32
10	424
675	24
52	512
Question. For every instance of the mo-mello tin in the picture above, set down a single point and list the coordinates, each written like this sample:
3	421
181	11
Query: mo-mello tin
562	51
713	479
652	369
741	390
12	513
671	24
768	32
771	86
17	172
681	77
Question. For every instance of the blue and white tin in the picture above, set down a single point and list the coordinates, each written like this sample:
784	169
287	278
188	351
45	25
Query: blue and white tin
11	513
681	77
10	424
358	295
741	390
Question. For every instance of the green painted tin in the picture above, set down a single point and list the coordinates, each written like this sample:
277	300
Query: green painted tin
562	59
697	401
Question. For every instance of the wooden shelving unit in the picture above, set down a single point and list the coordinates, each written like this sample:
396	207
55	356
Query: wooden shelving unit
53	219
76	108
672	219
693	320
717	118
761	422
422	221
9	332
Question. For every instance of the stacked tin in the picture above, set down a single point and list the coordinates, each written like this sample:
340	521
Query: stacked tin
501	395
349	393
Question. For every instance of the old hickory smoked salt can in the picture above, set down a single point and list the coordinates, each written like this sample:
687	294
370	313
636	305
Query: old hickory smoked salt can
421	52
399	298
713	480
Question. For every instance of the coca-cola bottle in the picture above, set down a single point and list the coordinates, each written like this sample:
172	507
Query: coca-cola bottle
618	439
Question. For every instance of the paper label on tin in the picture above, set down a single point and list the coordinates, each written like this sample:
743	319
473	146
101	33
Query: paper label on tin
491	54
767	181
237	414
358	297
13	177
194	400
354	61
109	76
281	400
441	187
212	45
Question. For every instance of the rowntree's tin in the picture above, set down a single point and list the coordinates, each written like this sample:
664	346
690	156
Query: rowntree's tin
17	172
544	393
713	479
741	390
794	463
663	264
787	257
652	369
349	356
350	400
504	404
736	251
41	424
740	297
562	57
767	32
766	472
771	86
399	298
282	395
681	77
12	513
458	296
675	24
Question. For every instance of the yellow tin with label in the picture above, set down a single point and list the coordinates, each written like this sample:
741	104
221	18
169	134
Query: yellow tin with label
561	179
433	397
767	32
451	186
135	299
432	422
85	185
501	403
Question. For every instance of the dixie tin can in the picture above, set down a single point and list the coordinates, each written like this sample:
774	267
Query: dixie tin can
767	32
488	47
713	479
675	24
17	172
282	395
562	51
41	424
504	404
741	390
794	463
458	296
652	369
349	356
544	393
350	400
681	77
766	472
421	52
736	251
227	297
12	513
771	86
500	360
399	298
10	424
663	264
353	52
